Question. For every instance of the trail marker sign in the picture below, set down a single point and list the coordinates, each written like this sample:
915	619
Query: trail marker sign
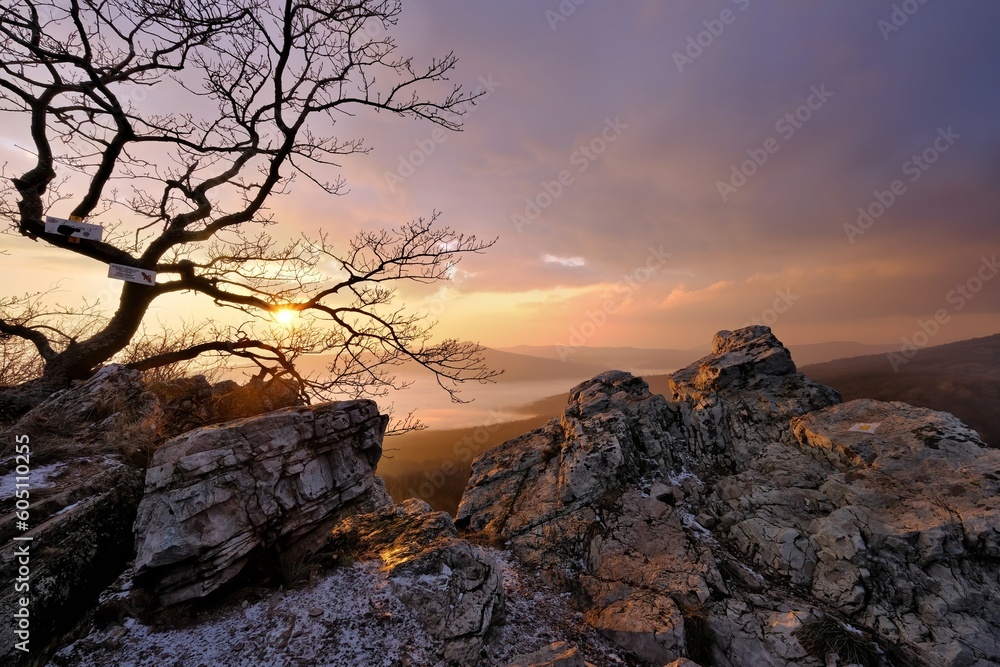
132	274
73	228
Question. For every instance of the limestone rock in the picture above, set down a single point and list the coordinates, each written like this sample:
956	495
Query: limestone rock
542	491
452	586
739	399
556	654
81	540
217	494
111	411
715	525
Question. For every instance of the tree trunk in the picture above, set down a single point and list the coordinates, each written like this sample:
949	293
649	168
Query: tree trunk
80	359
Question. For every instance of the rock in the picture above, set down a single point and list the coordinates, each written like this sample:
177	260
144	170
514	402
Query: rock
566	498
556	654
192	402
218	494
74	553
683	662
542	491
110	412
647	625
739	399
911	545
718	524
451	586
83	501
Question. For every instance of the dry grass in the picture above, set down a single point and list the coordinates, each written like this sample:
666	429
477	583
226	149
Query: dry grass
827	636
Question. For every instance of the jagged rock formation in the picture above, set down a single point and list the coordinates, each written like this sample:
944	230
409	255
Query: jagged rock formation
452	586
192	402
218	494
743	520
734	522
83	500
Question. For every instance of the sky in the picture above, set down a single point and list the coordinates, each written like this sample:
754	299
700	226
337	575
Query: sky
657	171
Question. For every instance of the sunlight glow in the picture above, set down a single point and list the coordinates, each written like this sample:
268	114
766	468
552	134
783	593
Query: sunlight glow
284	316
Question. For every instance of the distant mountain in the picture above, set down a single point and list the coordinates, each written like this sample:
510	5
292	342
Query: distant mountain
961	378
618	358
817	353
516	367
666	359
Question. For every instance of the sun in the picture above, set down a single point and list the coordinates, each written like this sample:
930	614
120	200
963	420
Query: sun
284	316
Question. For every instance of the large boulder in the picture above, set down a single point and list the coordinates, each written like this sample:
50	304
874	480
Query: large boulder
217	495
453	587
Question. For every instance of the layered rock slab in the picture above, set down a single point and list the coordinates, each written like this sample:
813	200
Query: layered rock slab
217	494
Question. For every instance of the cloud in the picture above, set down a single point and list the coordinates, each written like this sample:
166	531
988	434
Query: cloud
564	261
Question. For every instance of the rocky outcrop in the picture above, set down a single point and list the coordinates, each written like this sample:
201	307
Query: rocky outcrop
743	521
217	495
77	535
543	491
111	412
739	399
80	539
192	402
452	586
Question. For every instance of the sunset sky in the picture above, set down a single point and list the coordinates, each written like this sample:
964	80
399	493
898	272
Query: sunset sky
657	171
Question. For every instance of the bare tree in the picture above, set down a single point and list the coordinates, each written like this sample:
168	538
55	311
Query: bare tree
272	78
